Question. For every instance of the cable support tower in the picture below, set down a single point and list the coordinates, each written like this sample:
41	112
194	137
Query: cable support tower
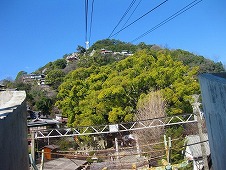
128	9
181	11
116	128
138	18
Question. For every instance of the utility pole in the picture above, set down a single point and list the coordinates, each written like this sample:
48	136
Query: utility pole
168	151
197	112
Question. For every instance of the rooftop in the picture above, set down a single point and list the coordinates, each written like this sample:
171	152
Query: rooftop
42	122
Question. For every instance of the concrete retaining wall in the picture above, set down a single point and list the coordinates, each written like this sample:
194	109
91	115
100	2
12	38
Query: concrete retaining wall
213	89
13	131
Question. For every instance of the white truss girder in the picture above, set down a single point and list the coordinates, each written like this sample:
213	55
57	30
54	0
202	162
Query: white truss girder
120	127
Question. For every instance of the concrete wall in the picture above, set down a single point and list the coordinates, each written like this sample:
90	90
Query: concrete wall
213	90
13	131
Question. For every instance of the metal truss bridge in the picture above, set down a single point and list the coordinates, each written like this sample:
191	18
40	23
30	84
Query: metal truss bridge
115	128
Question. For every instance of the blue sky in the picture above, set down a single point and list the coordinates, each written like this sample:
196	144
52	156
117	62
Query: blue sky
35	32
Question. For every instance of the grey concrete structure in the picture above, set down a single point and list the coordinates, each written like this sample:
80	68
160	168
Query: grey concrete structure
13	131
213	90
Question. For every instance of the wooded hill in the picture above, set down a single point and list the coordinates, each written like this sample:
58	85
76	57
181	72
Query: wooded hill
105	88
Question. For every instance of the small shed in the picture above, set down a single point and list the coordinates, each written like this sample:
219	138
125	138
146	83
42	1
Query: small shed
49	151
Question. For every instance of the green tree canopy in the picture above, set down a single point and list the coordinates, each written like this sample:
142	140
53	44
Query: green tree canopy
60	64
110	93
55	78
19	75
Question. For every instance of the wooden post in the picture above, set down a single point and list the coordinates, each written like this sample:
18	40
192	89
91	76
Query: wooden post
169	151
166	148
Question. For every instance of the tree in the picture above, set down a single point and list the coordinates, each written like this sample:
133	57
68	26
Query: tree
44	105
80	49
19	76
150	106
192	60
60	64
8	83
114	45
110	93
55	78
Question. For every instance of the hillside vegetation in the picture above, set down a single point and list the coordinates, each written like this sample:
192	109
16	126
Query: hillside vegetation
110	93
105	88
115	82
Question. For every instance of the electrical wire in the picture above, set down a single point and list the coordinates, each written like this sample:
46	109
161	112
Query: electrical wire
132	13
91	21
139	18
72	154
121	148
86	19
128	9
130	16
181	11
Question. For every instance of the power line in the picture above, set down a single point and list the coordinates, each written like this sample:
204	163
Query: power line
86	19
138	18
91	21
72	153
130	15
184	9
128	9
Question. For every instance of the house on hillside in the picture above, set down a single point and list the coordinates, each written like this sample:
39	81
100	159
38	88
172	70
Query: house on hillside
104	51
126	52
39	78
72	57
